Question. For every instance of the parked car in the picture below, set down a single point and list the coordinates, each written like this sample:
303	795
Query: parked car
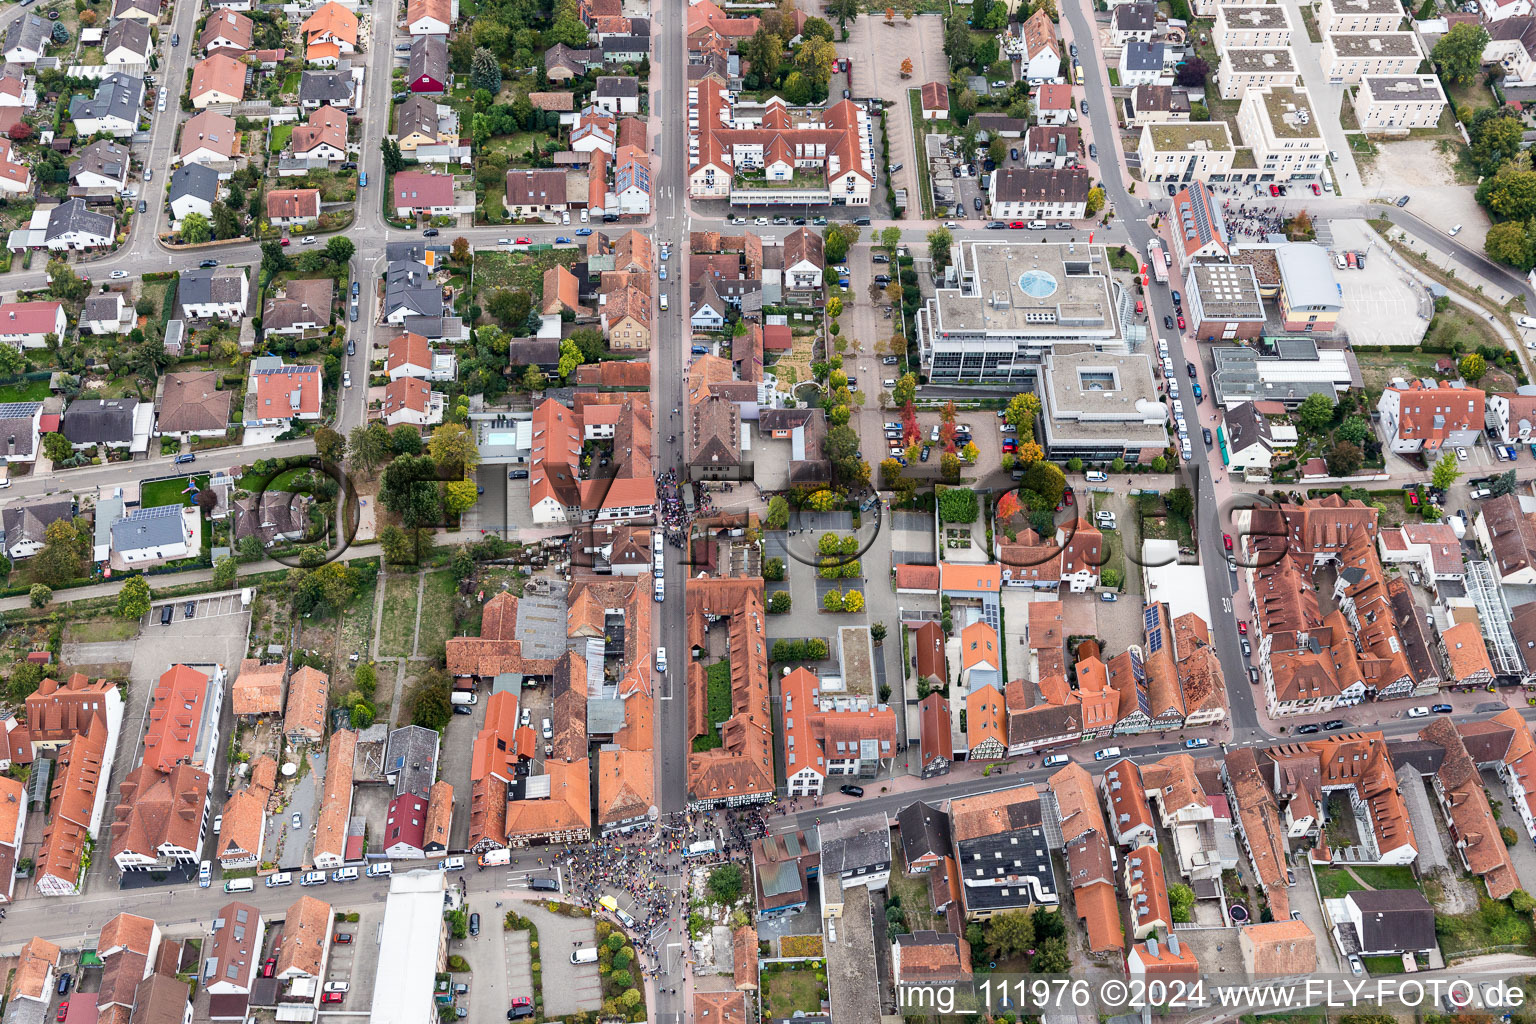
1310	727
206	264
851	790
1196	743
342	938
1442	709
1421	711
1335	724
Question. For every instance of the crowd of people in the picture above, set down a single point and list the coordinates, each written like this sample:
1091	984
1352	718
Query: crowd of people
674	513
1245	221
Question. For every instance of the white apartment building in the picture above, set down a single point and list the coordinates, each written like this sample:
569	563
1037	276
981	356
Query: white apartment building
1244	68
1186	152
1348	57
1359	16
1267	27
1397	103
1280	126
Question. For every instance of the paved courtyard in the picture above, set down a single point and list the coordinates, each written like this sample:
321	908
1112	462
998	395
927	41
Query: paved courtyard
877	50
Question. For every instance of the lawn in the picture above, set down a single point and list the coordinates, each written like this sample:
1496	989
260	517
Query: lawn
1388	876
99	630
155	291
357	624
169	492
514	146
1378	369
397	626
280	135
26	391
437	613
1469	97
1333	883
1383	964
915	901
717	683
786	991
523	271
1493	923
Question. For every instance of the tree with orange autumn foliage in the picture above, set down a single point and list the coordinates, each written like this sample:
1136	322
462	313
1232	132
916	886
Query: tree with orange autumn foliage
1029	452
1008	507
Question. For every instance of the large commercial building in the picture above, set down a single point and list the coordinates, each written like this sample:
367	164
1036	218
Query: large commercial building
1279	125
1100	406
1287	370
1224	302
1014	304
1310	299
413	949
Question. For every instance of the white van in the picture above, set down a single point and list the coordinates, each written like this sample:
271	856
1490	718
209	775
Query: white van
344	875
281	878
204	875
660	589
464	697
451	864
656	541
380	870
313	878
1038	225
239	885
1096	476
1108	753
585	955
661	659
1055	760
1528	322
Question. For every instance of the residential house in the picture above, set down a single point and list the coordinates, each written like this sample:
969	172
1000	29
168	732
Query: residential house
328	88
925	839
1505	527
89	423
1031	193
1053	103
405	828
1130	816
1133	22
429	17
161	818
271	517
208	137
293	207
1465	655
1386	922
857	851
1045	146
421	121
227	32
1165	960
1089	854
76	803
329	33
420	194
1397	104
217	293
1348	58
1512	45
322	138
303	304
936	744
23	527
1039	52
25	39
100	165
306	942
194	188
1248	67
928	958
617	94
13	820
804	261
308	696
217	79
28	324
1144	64
231	958
832	733
147	11
1001	848
632	182
242	829
410	355
535	193
257	689
191	405
1426	416
15	176
106	314
1256	436
20	430
411	400
427	68
72	225
1178	151
127	42
331	832
1241	24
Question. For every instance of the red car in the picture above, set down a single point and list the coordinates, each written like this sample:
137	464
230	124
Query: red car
1066	497
1181	323
269	968
1226	540
1010	445
333	997
342	938
1017	225
63	1011
1317	189
1138	306
525	241
283	243
1242	628
1274	190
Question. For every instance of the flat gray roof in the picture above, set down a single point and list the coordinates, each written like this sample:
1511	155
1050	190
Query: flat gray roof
1102	396
1244	16
1257	58
1367	7
1374	44
1228	291
1403	88
1047	289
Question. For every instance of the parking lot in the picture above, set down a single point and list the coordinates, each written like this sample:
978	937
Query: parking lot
877	50
1382	305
